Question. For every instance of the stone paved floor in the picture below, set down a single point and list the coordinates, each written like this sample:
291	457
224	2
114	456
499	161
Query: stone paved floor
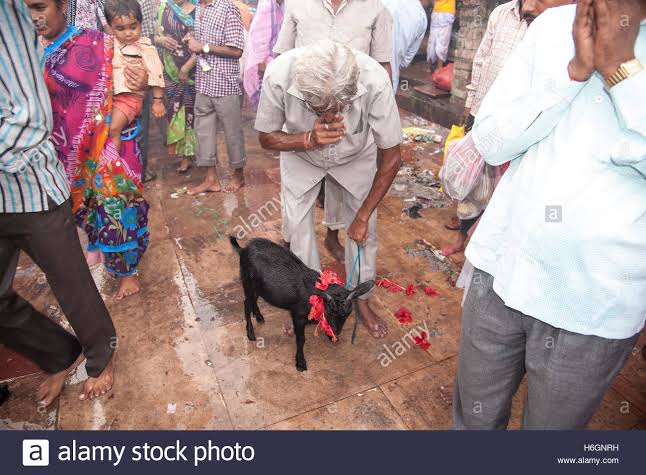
184	361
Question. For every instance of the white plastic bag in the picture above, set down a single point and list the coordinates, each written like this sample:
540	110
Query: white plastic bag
462	168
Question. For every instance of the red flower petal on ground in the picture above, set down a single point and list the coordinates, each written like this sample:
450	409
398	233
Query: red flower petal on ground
404	315
389	285
421	341
431	292
410	290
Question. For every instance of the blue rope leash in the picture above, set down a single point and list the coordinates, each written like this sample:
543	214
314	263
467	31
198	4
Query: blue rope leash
357	261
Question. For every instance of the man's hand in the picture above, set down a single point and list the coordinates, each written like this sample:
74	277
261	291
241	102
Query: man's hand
168	42
136	78
183	75
327	133
387	168
617	27
358	231
194	45
581	66
159	110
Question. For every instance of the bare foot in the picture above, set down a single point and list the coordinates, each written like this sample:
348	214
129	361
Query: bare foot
452	249
375	325
333	245
94	258
53	384
95	387
207	186
453	224
184	165
237	181
128	285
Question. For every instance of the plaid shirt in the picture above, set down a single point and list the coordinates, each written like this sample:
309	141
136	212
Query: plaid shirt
148	12
219	24
504	31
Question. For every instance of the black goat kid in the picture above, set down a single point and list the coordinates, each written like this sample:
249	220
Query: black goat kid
274	273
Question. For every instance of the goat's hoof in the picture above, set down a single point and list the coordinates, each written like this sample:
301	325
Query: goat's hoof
301	366
260	318
251	336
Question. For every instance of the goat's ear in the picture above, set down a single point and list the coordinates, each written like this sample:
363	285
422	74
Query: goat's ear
361	289
322	293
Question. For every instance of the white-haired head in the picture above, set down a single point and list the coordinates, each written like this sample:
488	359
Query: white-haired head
326	74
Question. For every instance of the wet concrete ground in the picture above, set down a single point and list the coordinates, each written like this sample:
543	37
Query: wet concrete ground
184	361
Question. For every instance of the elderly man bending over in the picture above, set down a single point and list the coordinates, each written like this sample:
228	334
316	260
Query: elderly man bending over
331	112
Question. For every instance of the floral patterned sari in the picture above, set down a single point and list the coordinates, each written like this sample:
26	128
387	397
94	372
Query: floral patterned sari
180	97
107	198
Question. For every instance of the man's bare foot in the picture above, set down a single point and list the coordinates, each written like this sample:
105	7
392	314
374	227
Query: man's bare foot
457	246
453	224
333	245
375	325
452	249
53	384
128	285
96	387
207	186
184	165
237	181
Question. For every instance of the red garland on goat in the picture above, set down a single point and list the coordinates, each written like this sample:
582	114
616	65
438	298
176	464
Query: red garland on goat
317	311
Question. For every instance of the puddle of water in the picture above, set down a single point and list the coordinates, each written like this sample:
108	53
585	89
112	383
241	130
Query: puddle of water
78	375
230	204
8	424
98	415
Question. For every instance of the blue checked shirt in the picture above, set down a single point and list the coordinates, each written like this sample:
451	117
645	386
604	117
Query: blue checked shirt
564	235
30	171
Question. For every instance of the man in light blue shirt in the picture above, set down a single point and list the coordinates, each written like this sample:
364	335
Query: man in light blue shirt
409	25
558	290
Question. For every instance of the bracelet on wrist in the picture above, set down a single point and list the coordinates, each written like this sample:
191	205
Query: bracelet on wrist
307	141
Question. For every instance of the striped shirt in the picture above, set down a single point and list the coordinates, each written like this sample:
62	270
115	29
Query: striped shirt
30	171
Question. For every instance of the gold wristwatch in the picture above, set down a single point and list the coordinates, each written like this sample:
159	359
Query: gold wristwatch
626	70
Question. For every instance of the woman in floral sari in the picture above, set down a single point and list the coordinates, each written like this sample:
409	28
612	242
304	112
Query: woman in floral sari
175	20
107	198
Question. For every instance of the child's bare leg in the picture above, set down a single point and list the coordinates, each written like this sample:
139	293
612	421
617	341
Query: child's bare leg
118	122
